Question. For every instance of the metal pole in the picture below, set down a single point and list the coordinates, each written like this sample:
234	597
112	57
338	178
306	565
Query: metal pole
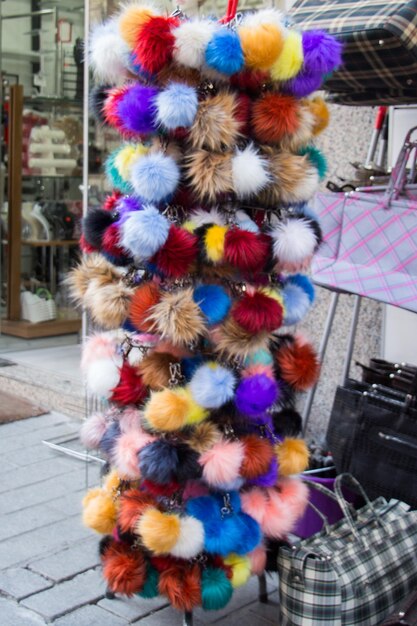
322	351
85	132
187	619
263	592
351	339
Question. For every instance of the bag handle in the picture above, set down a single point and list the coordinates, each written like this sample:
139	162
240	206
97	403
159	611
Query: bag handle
398	178
332	496
338	483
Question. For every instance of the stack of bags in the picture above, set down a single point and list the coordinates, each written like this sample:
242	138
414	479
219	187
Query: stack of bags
194	270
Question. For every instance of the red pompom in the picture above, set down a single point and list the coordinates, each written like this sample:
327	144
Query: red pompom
256	312
123	568
132	504
86	247
258	456
155	43
249	80
110	107
245	250
181	585
162	563
145	297
177	254
274	116
243	113
110	242
299	364
111	200
130	388
157	489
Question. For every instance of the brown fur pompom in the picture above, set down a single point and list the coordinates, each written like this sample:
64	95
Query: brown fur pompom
92	266
203	437
179	73
293	178
154	369
143	298
231	340
177	317
275	117
216	125
124	569
108	304
299	364
304	133
209	174
258	456
181	585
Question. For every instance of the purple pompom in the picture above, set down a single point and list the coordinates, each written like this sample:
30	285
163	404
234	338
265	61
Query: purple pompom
256	394
303	84
269	479
322	52
136	109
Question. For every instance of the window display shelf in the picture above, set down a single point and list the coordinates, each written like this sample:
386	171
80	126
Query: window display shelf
29	330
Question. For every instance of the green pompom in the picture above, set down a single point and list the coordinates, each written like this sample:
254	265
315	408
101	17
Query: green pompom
316	158
150	588
114	176
216	589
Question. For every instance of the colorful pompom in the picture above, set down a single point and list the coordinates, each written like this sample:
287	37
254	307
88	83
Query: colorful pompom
214	242
294	242
317	158
167	410
191	538
249	171
178	318
123	568
293	456
275	116
178	253
131	20
155	43
176	106
144	232
216	589
299	364
291	58
224	52
143	299
159	532
244	250
262	45
212	385
257	312
256	394
258	455
99	511
213	301
296	302
322	52
136	109
155	177
221	464
191	40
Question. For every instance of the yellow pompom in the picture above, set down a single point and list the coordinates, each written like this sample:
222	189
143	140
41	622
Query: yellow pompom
241	569
321	114
195	412
291	58
214	242
292	455
159	531
127	156
99	511
131	21
111	482
261	45
167	410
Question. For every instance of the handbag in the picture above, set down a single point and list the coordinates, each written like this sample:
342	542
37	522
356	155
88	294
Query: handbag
354	572
37	307
405	614
377	255
379	47
372	433
328	207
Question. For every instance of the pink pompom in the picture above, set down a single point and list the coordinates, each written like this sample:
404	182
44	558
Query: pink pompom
253	370
254	503
100	346
130	419
294	493
257	560
125	453
221	464
93	430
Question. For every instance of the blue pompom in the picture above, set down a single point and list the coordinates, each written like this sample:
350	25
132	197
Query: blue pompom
113	174
305	283
316	158
296	304
213	301
224	52
108	440
155	177
250	534
212	385
143	233
176	106
216	589
158	462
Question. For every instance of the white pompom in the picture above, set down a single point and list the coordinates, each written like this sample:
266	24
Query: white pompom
191	538
191	40
103	375
108	53
249	171
294	240
264	16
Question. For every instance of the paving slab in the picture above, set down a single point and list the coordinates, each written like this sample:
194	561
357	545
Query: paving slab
20	583
91	615
20	522
51	467
26	439
133	608
34	423
14	615
268	611
69	562
244	617
166	617
86	588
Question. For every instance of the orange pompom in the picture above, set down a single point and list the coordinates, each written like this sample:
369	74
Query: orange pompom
144	297
181	585
293	456
258	456
275	116
261	45
124	569
299	364
132	504
321	114
131	21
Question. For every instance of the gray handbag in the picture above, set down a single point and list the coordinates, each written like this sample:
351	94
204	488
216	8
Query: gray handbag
354	572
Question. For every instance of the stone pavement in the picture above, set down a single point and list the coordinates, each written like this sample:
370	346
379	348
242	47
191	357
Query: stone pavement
49	566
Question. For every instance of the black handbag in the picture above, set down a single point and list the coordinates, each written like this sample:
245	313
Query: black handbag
372	434
405	613
380	47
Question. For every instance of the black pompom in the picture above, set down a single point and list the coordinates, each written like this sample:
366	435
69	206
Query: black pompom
158	462
188	465
104	543
97	98
287	423
95	223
